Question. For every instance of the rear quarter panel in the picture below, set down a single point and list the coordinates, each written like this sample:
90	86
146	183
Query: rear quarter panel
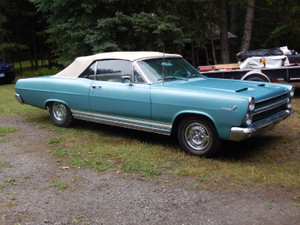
38	91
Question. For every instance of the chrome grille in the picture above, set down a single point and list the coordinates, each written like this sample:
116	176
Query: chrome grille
270	101
269	107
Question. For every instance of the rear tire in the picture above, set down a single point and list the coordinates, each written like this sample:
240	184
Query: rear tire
198	136
60	114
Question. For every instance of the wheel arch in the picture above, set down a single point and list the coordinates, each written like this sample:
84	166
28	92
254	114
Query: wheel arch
179	117
48	102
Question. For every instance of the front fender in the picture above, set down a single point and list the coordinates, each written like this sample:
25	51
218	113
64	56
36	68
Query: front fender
222	120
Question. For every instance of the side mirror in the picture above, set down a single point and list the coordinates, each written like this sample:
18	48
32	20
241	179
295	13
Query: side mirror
126	79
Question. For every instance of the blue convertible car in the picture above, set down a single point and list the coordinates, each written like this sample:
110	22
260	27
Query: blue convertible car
161	93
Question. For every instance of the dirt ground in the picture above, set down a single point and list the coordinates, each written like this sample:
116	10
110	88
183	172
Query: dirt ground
36	188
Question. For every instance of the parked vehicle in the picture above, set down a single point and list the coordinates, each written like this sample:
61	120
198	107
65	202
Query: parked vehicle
7	73
232	71
160	93
269	65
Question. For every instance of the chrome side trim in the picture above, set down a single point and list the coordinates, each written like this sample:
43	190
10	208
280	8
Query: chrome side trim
18	97
143	125
240	133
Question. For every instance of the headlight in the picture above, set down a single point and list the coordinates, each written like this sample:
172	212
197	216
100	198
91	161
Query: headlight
251	106
248	119
292	91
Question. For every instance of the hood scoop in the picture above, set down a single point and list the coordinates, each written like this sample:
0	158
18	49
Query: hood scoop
243	89
261	85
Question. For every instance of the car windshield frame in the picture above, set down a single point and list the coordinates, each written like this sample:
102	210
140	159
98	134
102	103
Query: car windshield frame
159	70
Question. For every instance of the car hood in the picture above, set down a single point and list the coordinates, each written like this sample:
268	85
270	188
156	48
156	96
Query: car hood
258	90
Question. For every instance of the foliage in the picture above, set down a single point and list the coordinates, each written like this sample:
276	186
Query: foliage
74	28
38	72
97	26
19	27
287	29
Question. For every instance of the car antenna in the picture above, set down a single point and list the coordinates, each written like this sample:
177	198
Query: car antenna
163	66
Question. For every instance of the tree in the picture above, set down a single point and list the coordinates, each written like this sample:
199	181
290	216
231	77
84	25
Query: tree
91	26
224	33
97	26
18	32
4	45
248	26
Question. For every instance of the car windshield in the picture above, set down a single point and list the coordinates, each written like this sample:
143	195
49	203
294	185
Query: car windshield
167	69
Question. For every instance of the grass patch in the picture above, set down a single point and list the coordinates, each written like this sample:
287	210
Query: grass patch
60	185
4	130
10	181
272	159
5	165
55	141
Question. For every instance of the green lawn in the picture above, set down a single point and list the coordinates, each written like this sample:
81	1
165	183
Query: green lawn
272	159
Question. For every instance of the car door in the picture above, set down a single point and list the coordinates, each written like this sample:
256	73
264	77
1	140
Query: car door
117	99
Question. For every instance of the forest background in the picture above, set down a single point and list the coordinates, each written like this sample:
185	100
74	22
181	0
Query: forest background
203	31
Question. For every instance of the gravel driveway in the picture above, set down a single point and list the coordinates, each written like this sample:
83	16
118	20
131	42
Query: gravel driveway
37	188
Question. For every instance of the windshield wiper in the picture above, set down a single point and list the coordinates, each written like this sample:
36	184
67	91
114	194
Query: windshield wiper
172	77
195	75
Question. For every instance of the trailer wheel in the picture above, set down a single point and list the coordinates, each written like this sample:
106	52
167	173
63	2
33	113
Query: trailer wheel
256	78
252	76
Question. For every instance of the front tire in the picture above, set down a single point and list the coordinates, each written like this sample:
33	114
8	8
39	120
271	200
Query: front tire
198	136
60	114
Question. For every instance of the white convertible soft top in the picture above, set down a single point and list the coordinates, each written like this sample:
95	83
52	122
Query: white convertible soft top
81	63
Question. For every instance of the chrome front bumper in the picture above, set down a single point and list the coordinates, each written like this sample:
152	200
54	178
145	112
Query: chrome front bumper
18	97
239	133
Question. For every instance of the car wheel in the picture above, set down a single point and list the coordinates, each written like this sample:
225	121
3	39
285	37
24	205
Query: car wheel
198	136
60	114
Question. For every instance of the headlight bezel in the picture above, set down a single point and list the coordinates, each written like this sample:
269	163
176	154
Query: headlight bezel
289	103
292	91
251	105
248	119
251	108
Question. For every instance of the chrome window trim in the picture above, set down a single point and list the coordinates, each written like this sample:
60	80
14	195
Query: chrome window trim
136	65
96	68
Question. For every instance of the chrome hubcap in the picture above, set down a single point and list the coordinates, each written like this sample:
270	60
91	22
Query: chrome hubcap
197	136
59	111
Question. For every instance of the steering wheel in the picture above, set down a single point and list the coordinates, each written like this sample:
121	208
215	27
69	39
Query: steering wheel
179	73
